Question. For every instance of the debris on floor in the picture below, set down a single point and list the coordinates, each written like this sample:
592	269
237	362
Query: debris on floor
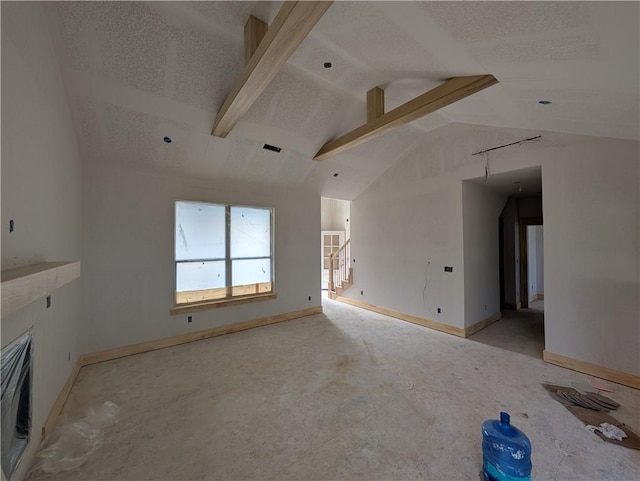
609	430
591	409
70	444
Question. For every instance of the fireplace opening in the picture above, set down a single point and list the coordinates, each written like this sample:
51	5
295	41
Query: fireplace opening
16	401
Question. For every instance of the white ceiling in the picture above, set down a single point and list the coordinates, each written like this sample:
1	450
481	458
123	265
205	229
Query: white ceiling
136	72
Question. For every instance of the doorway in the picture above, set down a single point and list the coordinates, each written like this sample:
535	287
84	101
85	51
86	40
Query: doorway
520	264
531	261
335	231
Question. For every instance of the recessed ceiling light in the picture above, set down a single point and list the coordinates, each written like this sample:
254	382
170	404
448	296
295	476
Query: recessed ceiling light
544	102
167	140
335	175
327	65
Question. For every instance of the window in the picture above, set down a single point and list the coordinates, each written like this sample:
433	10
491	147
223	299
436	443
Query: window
222	252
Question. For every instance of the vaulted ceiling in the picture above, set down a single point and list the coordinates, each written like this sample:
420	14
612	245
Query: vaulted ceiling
137	72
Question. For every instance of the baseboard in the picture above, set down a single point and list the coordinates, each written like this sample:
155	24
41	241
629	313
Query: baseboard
602	372
456	331
469	331
56	409
147	346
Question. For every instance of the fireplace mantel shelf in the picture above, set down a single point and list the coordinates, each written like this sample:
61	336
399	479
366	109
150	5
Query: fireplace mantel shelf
23	285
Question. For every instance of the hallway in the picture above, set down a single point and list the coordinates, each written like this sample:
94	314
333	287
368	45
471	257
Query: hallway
520	331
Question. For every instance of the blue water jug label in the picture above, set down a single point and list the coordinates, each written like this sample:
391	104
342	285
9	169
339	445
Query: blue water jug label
495	475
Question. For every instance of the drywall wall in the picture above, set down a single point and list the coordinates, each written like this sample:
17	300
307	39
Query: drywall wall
401	240
591	207
539	259
481	209
591	250
335	215
128	258
41	193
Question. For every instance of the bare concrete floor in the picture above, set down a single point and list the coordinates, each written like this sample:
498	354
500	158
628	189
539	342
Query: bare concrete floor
348	394
520	331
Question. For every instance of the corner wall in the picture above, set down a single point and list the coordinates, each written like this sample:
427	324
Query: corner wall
481	209
591	203
41	193
128	260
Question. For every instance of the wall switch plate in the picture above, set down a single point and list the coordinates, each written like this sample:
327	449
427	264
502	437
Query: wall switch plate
448	268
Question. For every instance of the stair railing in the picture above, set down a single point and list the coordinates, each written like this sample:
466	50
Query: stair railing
339	266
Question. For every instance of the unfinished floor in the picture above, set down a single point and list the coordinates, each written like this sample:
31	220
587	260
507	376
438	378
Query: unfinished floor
520	331
348	394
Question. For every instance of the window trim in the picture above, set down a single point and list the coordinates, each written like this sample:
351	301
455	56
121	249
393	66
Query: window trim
229	299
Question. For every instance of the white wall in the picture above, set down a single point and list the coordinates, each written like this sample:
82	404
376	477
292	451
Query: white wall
591	214
539	259
41	192
128	258
335	215
481	209
401	240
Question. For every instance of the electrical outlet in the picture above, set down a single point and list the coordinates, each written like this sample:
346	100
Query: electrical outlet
309	297
189	318
69	357
48	302
362	293
11	225
438	310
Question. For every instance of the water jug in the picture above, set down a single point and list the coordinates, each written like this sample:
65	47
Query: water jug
506	451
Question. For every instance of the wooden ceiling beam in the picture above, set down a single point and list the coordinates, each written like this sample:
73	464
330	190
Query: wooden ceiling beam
451	91
292	24
254	31
375	104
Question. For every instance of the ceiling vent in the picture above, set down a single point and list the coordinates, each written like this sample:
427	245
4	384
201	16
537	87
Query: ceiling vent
273	148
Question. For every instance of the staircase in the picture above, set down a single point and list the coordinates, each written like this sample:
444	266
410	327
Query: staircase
340	271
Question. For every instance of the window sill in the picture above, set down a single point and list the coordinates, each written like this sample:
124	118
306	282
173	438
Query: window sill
199	306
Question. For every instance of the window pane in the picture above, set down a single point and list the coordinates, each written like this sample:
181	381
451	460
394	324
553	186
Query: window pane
250	232
251	271
195	276
200	231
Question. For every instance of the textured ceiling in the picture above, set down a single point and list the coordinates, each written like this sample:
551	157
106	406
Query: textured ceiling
136	72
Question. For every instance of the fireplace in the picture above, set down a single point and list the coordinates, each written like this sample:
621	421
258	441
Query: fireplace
16	401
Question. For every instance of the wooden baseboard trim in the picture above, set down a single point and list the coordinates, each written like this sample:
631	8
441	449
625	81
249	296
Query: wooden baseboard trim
469	331
56	409
456	331
147	346
602	372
